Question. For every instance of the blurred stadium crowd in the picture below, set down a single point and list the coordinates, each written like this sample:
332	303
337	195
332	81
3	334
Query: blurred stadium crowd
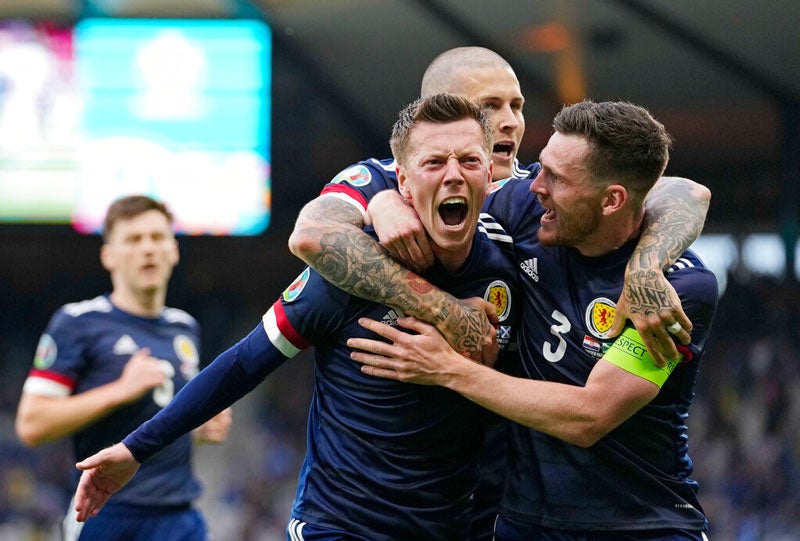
745	438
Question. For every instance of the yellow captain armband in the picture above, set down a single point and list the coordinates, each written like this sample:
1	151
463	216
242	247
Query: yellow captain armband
628	352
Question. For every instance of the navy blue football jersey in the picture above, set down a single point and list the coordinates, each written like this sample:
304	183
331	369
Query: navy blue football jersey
357	184
385	460
638	475
87	344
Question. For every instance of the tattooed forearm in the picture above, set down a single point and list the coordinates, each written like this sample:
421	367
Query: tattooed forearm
676	209
467	328
354	262
647	292
328	237
330	210
318	216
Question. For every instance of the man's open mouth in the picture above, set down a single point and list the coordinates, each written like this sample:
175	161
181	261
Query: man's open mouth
503	148
453	210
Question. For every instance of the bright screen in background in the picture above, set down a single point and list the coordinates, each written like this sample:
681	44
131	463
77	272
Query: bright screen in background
177	109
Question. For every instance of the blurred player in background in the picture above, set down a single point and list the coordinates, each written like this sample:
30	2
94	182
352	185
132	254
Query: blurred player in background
600	443
104	366
385	461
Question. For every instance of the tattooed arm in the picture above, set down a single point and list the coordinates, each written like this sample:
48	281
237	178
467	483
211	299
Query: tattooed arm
676	209
328	237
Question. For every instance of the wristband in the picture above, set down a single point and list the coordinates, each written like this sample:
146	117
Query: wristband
628	352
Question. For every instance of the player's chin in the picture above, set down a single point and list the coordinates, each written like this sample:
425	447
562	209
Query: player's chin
453	238
151	286
548	236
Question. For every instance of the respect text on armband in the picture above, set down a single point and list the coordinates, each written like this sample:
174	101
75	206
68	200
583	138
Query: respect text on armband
630	347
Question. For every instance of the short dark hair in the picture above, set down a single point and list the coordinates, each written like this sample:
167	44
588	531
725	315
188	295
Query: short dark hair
627	145
129	207
440	109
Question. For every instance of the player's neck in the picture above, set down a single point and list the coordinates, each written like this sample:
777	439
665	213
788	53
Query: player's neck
612	234
148	303
452	261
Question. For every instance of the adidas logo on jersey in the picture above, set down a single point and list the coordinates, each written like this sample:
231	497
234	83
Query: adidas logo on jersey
125	346
531	268
391	317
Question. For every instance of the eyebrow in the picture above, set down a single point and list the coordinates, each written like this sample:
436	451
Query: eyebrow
547	167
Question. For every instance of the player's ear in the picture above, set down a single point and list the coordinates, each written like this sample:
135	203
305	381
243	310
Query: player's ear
489	180
107	257
402	182
175	253
614	198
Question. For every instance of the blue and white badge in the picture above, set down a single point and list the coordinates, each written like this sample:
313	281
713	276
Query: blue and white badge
46	352
296	287
357	175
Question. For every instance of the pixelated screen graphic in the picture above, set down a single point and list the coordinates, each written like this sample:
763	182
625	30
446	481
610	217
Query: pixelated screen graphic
177	109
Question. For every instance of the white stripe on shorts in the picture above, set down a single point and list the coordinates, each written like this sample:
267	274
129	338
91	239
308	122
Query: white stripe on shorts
295	529
70	527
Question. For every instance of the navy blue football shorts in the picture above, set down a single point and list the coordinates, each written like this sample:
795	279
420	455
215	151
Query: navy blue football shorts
133	523
302	531
507	529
